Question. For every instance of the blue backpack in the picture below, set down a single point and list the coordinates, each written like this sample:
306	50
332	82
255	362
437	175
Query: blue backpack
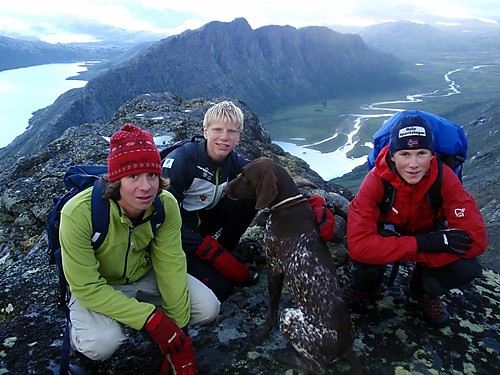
76	179
451	149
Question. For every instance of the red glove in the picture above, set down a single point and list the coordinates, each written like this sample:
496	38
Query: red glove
165	332
172	342
184	361
225	263
324	217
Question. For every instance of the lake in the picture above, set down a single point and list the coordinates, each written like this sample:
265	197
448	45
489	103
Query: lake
25	90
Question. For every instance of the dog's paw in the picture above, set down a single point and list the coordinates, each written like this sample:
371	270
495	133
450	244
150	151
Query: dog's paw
290	357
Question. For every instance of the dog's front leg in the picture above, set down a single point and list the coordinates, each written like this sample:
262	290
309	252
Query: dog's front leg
274	287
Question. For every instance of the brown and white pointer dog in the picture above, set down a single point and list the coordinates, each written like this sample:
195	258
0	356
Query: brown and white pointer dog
320	327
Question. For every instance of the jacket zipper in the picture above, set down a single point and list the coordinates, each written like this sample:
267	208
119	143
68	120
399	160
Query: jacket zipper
217	178
130	234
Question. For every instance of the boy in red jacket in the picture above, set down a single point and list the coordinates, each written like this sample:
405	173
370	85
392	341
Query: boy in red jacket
444	245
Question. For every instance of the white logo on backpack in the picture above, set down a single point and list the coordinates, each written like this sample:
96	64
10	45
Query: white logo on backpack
460	212
167	163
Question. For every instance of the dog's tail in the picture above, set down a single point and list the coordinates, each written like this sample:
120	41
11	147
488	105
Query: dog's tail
354	361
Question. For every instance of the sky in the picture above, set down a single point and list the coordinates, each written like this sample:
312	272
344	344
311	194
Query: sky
56	21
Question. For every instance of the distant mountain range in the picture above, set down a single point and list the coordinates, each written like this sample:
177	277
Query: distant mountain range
404	37
268	68
17	53
391	37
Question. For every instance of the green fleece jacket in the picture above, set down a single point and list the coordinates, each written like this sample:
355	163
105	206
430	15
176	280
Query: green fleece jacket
126	255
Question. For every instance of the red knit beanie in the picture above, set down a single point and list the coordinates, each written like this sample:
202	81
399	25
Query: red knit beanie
132	151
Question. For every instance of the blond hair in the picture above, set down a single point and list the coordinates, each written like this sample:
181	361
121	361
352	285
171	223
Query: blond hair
224	111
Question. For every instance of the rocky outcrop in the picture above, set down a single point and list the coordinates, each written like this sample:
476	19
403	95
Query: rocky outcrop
29	183
391	337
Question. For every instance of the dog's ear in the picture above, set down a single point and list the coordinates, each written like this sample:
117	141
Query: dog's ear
267	189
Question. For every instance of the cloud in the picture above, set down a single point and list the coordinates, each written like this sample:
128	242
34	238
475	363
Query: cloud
325	12
12	24
172	17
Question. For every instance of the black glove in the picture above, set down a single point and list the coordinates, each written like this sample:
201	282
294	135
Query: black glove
452	241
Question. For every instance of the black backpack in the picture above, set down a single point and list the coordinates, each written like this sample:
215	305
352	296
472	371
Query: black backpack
77	179
169	149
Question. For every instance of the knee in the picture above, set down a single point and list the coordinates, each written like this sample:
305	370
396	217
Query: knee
473	269
100	343
366	277
206	311
223	289
463	271
454	275
211	311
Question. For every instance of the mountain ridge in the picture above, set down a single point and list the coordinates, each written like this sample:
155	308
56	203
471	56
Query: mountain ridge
268	68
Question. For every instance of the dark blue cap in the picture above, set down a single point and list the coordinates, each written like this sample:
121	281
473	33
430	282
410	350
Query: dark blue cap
411	132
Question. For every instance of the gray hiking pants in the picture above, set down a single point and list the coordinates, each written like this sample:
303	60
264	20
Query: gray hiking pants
98	336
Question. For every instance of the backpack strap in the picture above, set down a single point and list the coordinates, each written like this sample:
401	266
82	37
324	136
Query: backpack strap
100	215
63	368
388	198
158	216
169	149
385	206
434	193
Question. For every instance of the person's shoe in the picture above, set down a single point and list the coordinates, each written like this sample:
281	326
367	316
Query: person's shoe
434	310
351	296
432	307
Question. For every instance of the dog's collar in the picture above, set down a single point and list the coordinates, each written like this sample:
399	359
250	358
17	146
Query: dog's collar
283	202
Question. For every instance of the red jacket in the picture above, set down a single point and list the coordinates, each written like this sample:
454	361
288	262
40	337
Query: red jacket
411	214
